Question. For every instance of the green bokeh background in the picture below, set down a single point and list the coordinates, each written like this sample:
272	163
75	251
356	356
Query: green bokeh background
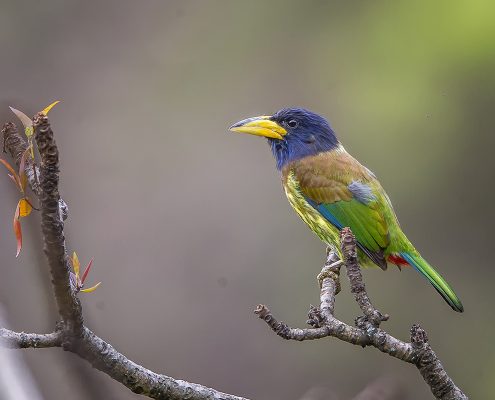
188	224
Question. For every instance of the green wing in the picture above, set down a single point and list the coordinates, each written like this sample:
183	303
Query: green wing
347	194
366	223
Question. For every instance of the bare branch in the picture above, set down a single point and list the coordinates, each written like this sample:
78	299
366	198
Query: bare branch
52	226
22	340
286	332
104	357
431	369
367	331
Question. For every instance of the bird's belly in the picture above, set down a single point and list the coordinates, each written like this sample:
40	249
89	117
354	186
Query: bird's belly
324	229
319	225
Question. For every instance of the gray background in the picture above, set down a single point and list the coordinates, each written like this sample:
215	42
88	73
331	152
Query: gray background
188	224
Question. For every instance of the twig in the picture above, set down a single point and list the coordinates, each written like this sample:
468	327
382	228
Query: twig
322	319
22	340
285	332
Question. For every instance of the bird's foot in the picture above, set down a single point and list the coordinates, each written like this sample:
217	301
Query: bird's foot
331	271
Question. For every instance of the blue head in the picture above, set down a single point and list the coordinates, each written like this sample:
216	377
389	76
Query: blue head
293	133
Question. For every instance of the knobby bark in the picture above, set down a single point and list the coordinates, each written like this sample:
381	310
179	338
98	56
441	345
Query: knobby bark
72	335
52	227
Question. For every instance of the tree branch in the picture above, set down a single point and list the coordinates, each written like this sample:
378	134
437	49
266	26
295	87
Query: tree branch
22	340
431	369
52	226
104	357
367	331
71	334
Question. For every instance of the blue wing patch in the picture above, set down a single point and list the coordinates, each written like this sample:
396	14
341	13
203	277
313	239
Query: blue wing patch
325	212
376	256
361	192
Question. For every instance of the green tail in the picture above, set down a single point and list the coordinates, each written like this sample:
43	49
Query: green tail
442	287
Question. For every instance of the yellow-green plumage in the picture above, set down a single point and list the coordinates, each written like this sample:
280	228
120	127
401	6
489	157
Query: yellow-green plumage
324	190
327	232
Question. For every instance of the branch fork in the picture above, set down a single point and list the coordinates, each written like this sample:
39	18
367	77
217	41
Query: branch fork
367	331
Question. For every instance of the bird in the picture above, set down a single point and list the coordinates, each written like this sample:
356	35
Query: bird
330	190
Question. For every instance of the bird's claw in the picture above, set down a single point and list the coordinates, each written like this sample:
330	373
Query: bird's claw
331	271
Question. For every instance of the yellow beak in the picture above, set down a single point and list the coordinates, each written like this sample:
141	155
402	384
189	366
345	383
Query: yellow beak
260	126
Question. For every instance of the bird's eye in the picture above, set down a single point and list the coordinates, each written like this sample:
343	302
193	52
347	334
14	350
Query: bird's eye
292	123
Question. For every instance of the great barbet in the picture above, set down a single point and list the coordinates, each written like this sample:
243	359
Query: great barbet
330	190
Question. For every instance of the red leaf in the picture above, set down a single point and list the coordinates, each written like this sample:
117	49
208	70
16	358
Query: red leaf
86	271
14	174
22	169
17	230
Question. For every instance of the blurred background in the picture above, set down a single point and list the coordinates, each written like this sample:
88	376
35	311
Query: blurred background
188	224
